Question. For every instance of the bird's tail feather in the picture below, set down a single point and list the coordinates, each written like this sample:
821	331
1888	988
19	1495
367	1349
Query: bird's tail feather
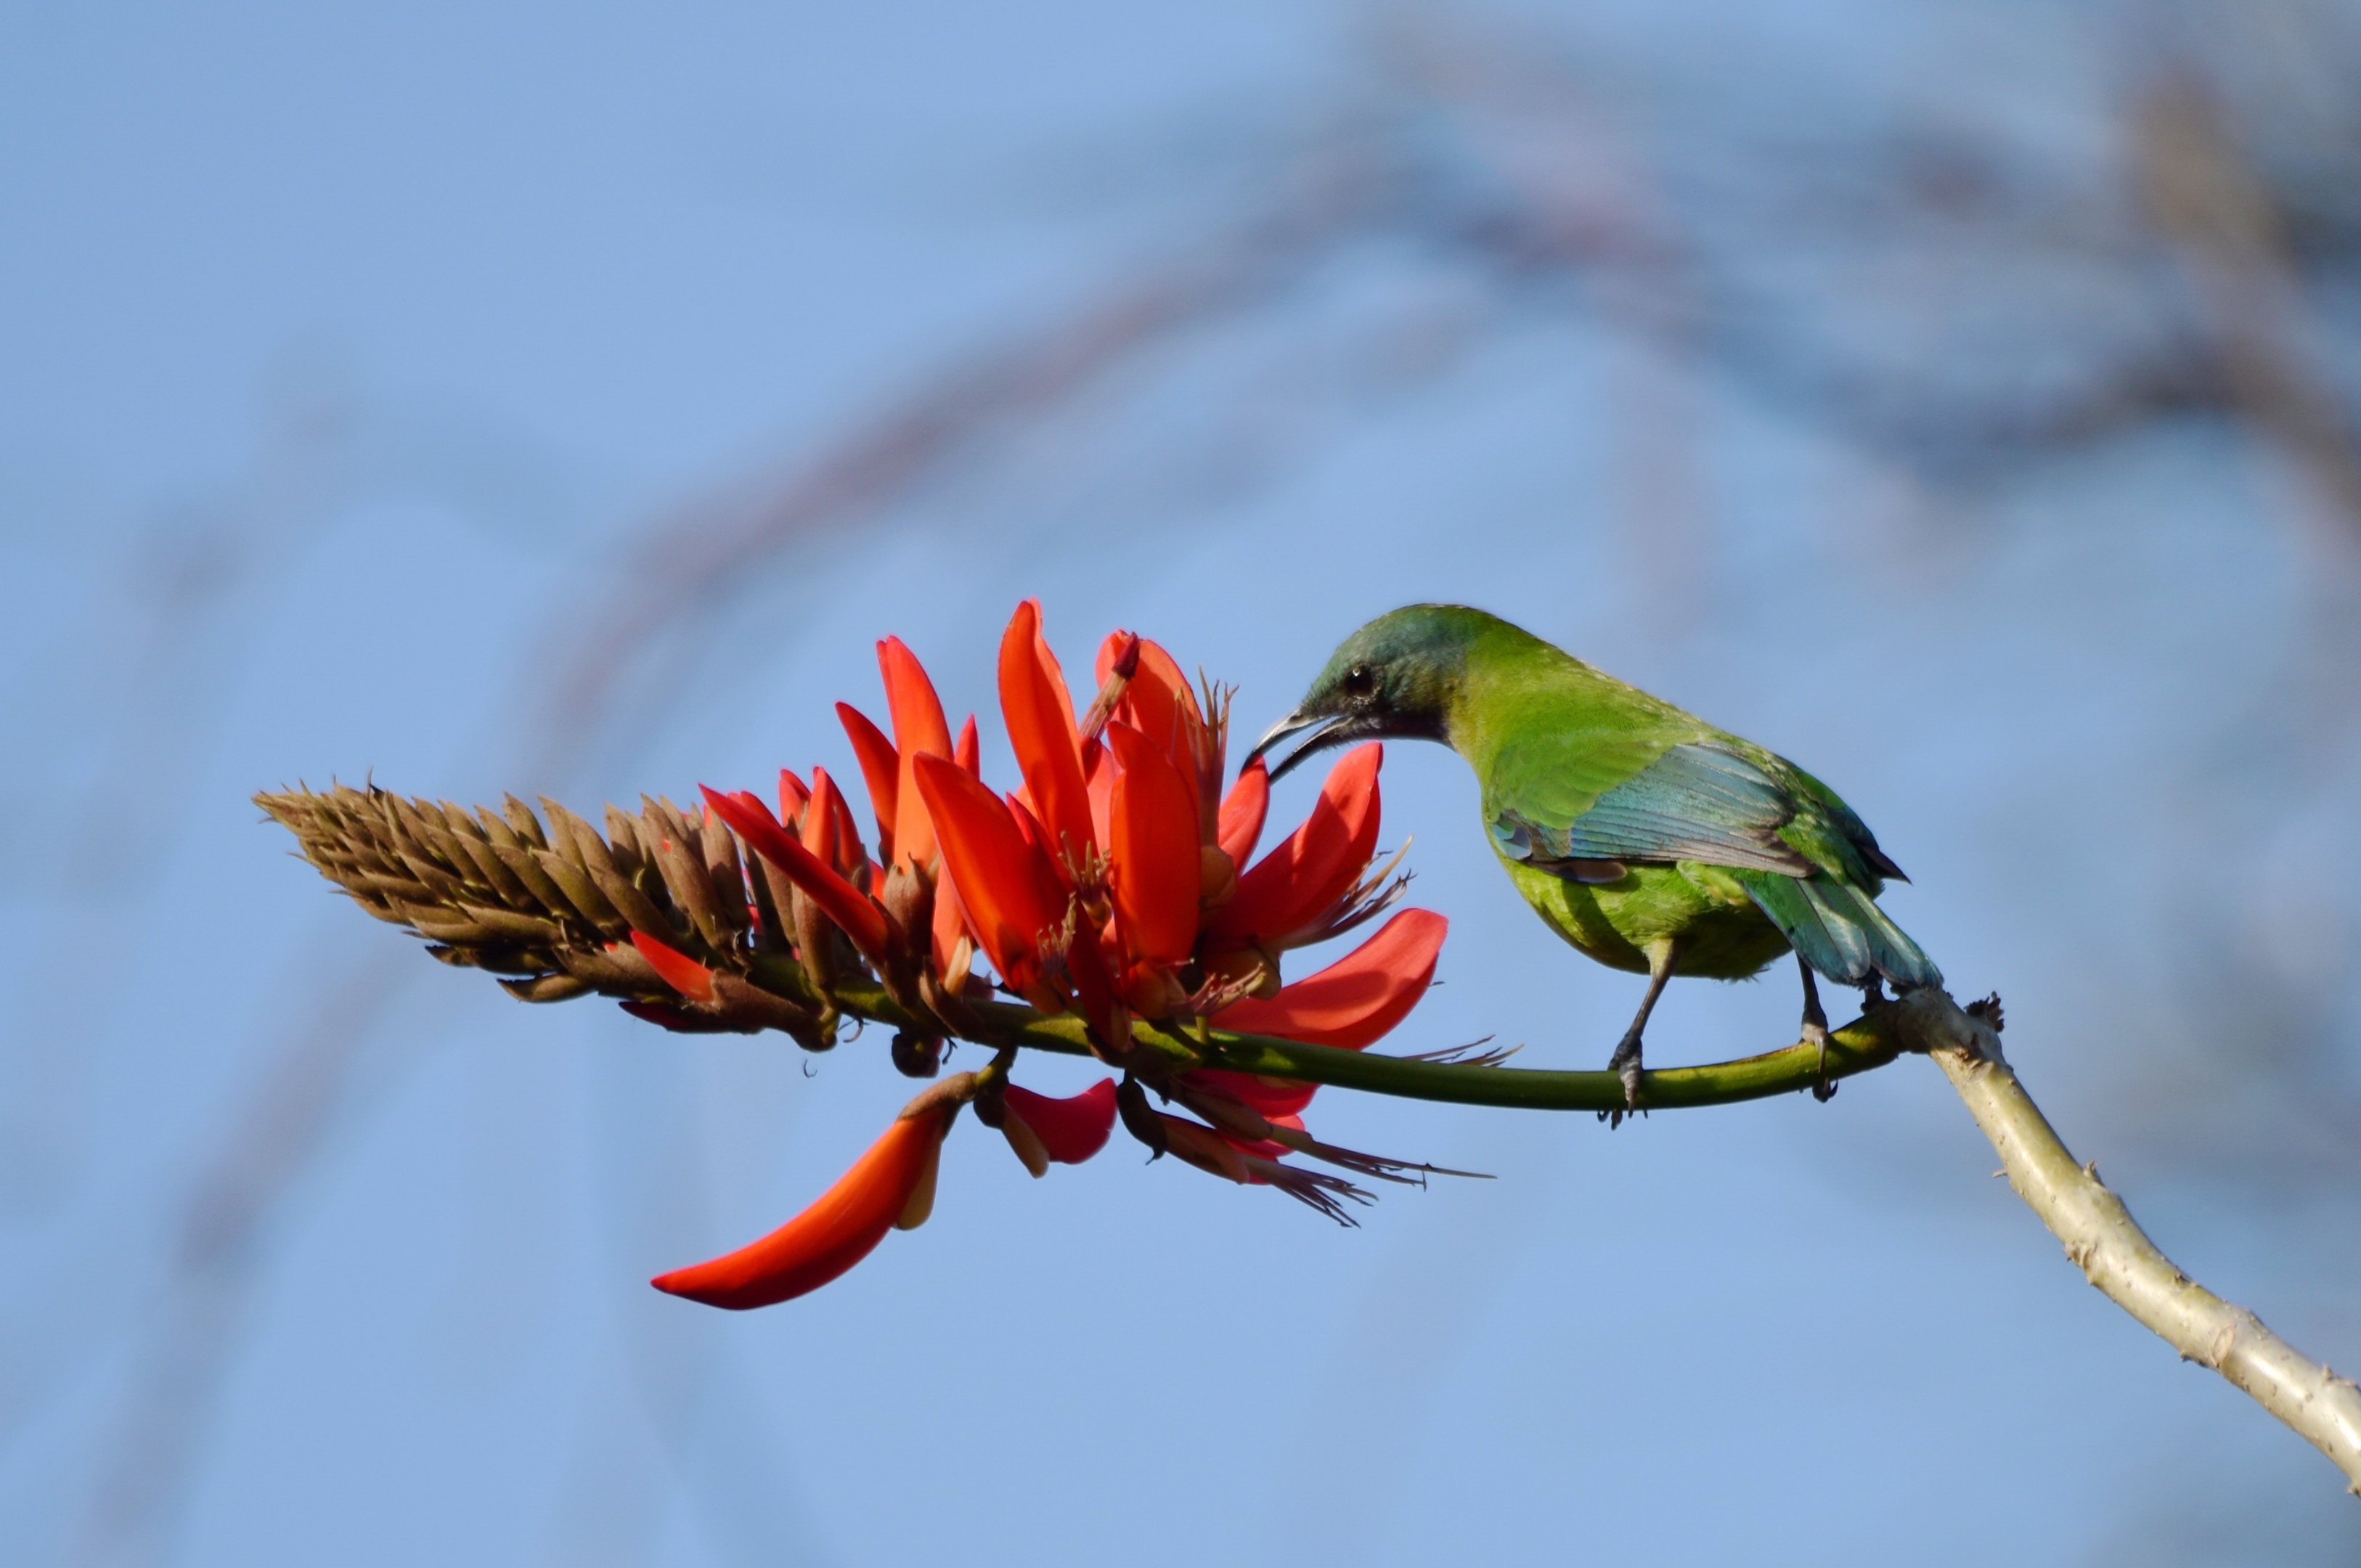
1839	930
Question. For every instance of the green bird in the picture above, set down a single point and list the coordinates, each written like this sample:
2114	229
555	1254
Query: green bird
1648	839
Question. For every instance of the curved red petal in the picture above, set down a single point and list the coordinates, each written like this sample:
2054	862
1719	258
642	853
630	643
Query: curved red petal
968	752
830	830
1152	841
950	924
918	730
1274	1097
1094	989
1297	881
1157	697
1040	718
1098	767
837	1232
1242	812
881	770
991	864
680	971
1355	1001
838	899
1071	1129
752	803
794	796
1055	891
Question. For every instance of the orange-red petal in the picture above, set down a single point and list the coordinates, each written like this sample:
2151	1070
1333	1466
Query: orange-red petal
1071	1129
1040	718
881	770
1152	841
918	730
840	1230
1095	988
680	971
1242	812
1098	767
830	830
794	796
1355	1001
992	865
838	899
949	924
969	752
1297	881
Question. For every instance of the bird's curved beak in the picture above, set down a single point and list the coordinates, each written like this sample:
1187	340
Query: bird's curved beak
1327	729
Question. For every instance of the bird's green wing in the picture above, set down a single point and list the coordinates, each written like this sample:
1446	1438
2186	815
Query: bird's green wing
1694	802
1804	859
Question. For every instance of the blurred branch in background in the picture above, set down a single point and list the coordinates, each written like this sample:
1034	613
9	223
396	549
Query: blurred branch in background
1958	299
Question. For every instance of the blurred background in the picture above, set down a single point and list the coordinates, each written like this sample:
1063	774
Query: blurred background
1961	400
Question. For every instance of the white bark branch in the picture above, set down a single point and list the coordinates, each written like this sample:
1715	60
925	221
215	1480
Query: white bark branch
2116	1257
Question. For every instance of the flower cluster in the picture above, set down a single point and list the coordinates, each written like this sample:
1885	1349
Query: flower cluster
1114	884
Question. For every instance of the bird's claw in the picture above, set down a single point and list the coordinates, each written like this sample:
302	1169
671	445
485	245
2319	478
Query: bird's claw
1625	1065
1815	1033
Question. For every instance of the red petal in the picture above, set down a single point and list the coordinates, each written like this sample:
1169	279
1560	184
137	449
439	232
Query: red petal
1040	718
1274	1097
1297	882
680	971
996	871
840	1230
968	752
950	924
1094	990
1242	812
829	831
1356	1000
794	796
1098	765
1071	1129
1055	893
881	770
1153	843
918	730
839	899
752	802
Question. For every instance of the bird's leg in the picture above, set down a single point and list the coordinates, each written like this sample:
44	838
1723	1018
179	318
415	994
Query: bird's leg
1816	1031
1662	953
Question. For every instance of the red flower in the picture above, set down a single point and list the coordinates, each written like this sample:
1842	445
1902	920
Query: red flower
1110	885
892	1186
1147	908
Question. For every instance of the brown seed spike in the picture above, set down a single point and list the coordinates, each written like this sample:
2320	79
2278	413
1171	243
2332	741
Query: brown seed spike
521	819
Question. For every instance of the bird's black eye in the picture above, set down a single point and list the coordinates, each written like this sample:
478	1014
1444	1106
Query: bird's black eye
1360	680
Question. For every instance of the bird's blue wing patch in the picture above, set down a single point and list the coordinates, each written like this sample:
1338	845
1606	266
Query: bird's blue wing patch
1694	803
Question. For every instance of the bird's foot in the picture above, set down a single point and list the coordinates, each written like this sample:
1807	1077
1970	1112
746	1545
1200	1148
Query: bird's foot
1816	1034
1625	1064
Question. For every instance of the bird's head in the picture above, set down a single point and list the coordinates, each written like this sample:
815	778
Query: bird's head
1394	676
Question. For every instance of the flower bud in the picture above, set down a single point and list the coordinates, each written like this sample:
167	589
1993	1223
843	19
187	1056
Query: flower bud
1217	877
1140	1118
1026	1142
916	1056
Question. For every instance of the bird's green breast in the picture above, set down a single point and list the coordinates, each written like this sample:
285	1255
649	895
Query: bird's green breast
1722	935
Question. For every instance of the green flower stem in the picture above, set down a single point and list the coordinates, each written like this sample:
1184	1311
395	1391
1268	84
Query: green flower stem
1857	1047
1868	1042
